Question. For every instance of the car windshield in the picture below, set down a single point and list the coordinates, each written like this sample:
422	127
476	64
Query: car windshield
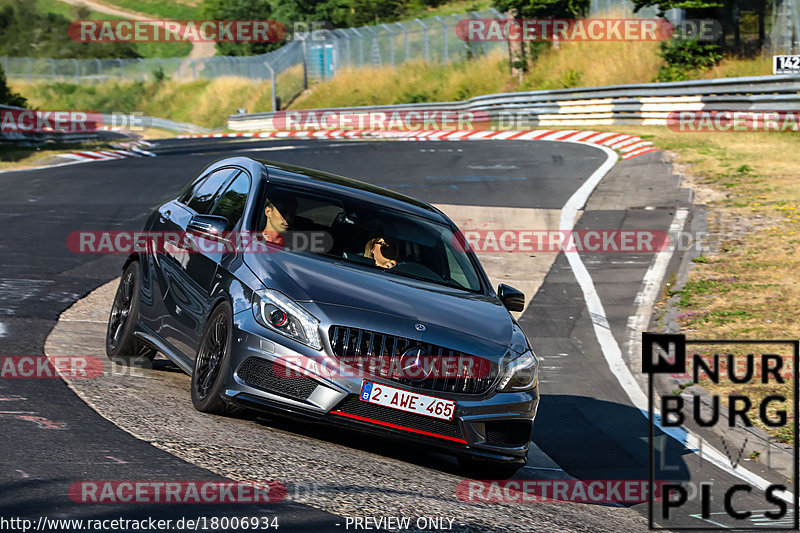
368	235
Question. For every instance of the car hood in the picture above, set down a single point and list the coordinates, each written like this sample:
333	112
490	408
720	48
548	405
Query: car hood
337	283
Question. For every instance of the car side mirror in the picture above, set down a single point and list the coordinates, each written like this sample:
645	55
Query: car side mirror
513	299
208	226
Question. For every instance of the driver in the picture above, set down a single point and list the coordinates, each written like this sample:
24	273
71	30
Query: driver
280	213
383	250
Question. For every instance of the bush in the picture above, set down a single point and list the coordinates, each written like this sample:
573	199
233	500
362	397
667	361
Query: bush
158	74
7	96
685	56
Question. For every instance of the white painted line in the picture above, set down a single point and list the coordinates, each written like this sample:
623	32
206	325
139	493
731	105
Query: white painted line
636	146
506	134
602	136
532	135
610	347
639	152
613	140
143	152
556	136
457	134
3	330
620	145
481	134
582	135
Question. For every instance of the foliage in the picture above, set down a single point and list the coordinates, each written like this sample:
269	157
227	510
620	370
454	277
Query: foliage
158	74
7	96
683	57
240	10
689	5
543	8
27	32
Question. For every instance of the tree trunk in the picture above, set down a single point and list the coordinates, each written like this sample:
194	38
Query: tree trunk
516	49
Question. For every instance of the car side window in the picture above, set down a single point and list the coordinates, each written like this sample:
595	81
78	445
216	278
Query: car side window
231	203
204	195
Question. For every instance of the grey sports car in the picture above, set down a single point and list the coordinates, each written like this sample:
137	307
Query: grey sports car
295	291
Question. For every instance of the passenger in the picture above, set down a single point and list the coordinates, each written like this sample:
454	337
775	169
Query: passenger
280	215
382	250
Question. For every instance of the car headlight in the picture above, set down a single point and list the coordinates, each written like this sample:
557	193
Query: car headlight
522	373
280	313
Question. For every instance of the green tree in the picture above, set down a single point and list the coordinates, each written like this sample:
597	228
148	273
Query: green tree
726	11
240	10
543	8
7	96
548	9
27	32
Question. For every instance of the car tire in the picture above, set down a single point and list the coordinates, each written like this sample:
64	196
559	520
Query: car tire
122	346
477	469
212	361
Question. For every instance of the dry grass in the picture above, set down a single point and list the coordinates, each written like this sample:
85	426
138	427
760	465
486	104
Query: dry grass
208	103
587	64
732	67
205	102
747	287
573	64
409	83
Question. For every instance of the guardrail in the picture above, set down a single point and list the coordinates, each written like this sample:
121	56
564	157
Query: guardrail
41	136
38	136
146	121
637	104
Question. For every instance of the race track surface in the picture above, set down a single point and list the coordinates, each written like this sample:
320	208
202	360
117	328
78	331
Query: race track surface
586	427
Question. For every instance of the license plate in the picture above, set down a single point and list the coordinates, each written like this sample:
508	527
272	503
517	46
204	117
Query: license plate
403	400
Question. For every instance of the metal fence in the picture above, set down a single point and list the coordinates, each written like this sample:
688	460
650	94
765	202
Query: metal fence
81	71
323	52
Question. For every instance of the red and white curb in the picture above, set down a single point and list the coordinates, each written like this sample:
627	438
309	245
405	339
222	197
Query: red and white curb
123	150
627	146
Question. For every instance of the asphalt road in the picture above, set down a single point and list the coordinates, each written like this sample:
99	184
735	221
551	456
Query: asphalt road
585	425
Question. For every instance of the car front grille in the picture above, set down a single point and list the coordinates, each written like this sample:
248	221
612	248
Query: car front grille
260	374
354	408
380	354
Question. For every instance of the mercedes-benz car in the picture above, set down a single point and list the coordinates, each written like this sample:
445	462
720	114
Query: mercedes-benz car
295	291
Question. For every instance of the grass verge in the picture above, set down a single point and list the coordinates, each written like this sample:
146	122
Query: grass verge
575	64
205	102
746	286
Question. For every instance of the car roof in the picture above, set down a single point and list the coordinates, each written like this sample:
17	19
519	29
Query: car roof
286	174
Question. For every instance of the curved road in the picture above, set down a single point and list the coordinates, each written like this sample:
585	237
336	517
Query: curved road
585	428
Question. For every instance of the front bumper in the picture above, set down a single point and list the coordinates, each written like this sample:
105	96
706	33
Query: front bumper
492	426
